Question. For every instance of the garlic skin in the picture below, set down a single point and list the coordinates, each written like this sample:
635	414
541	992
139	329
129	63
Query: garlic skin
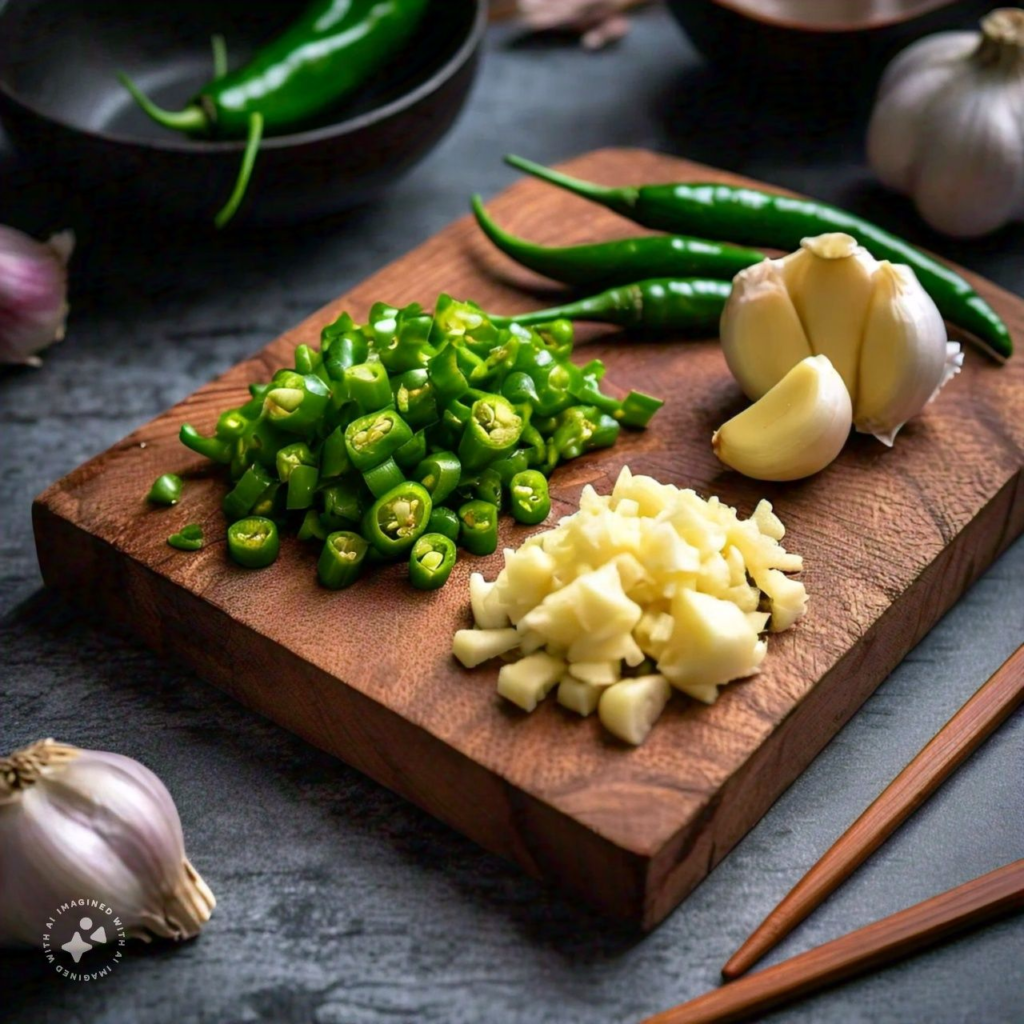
947	127
874	321
88	824
33	293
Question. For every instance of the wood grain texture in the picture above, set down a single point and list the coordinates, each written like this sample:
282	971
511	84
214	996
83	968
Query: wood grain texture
994	702
890	540
984	899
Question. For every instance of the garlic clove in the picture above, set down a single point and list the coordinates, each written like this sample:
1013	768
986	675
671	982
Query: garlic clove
795	430
904	358
762	337
830	280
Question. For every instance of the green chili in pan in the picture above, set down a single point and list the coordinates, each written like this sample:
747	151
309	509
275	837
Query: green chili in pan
327	53
751	217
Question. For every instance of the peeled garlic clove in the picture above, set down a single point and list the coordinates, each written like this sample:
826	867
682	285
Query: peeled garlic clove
86	824
762	337
795	430
830	281
905	358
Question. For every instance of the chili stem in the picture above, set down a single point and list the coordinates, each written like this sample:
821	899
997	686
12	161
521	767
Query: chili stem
252	145
220	55
191	119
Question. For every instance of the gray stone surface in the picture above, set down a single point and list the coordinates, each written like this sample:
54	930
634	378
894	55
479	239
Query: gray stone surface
338	902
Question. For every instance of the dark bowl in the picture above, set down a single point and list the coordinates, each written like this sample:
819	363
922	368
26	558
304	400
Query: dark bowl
62	105
794	43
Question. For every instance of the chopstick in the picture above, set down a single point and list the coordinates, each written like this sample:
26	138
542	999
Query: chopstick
997	893
951	746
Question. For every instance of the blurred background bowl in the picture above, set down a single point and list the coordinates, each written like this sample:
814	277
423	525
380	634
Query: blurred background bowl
62	106
841	43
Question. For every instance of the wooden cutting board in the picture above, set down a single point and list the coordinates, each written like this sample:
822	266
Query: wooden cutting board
891	539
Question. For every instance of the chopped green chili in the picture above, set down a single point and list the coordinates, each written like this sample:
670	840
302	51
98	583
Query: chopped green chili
188	538
253	542
341	559
390	427
166	490
384	477
302	481
493	429
397	518
529	500
431	561
444	520
311	528
478	531
239	502
439	473
372	438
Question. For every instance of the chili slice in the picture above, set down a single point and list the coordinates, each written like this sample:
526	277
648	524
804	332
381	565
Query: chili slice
493	429
444	520
341	560
383	478
188	538
478	531
253	542
439	473
302	483
398	518
166	490
373	438
239	501
431	561
528	497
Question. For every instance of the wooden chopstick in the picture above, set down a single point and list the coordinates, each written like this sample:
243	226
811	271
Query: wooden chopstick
924	924
951	746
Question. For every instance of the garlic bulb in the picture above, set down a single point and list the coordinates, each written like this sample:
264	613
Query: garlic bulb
948	126
84	824
872	319
33	293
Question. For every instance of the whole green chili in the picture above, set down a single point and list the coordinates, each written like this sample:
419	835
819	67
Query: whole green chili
692	305
624	259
